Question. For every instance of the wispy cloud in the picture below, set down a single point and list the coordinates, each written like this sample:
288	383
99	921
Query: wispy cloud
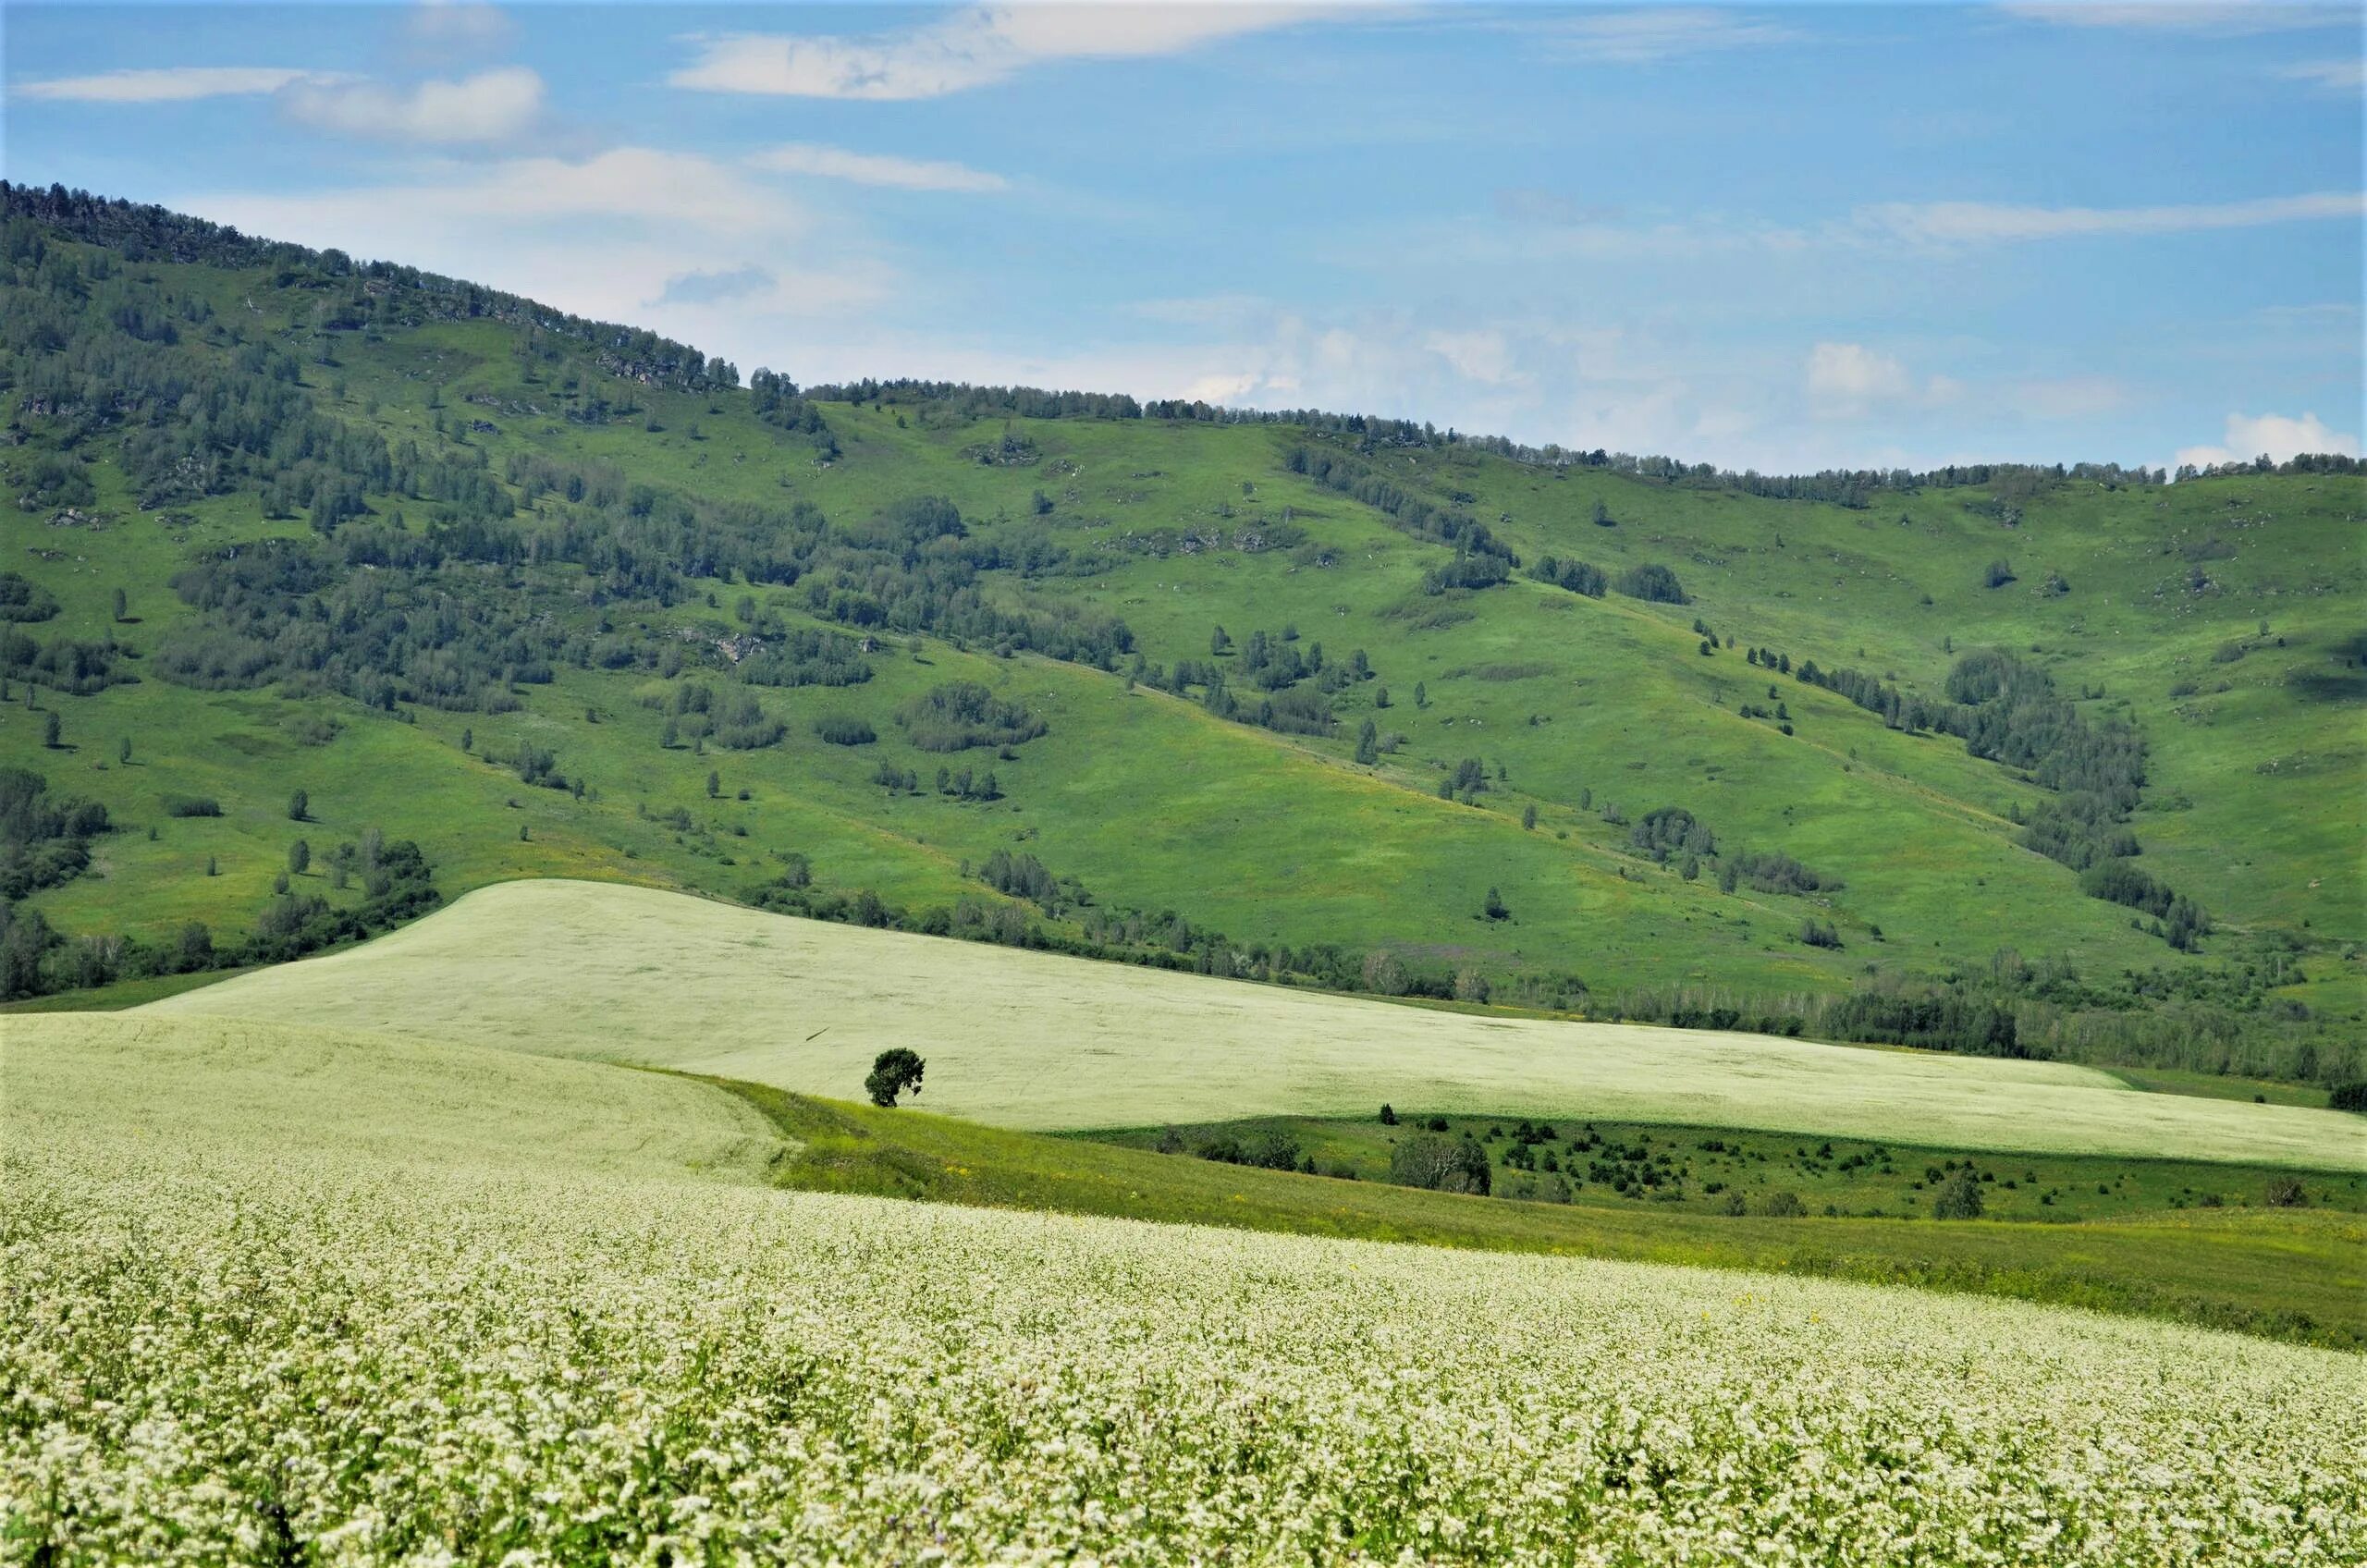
699	248
971	48
1661	33
491	106
1528	204
443	27
715	287
873	169
2219	17
1960	223
2335	76
173	84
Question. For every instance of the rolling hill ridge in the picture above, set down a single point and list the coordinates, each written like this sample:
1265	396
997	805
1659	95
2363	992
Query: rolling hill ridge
2005	760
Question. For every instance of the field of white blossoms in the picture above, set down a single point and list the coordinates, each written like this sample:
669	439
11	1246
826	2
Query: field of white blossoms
242	1320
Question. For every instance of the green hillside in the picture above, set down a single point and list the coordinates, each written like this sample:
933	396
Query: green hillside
420	551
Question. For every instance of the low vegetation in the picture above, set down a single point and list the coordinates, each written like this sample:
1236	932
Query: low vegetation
1043	1041
820	1377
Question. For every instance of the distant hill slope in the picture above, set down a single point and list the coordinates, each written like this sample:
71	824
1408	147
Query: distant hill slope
422	552
1041	1041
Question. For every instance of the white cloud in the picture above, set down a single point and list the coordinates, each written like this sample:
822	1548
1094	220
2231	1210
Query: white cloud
1957	223
494	105
636	185
2333	76
871	169
175	84
1846	378
970	48
2277	437
1661	33
2209	17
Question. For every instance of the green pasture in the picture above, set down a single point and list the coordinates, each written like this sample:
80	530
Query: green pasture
1038	1041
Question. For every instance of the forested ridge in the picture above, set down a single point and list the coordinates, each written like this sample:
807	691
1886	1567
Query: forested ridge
565	553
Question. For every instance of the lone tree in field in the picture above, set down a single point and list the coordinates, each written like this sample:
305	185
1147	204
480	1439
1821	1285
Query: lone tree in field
1960	1198
894	1072
300	807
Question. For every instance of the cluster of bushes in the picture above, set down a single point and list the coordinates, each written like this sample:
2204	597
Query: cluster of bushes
962	713
1272	662
1772	871
63	664
1574	575
1672	831
1272	1149
44	839
1023	877
1655	583
1440	1163
22	599
843	729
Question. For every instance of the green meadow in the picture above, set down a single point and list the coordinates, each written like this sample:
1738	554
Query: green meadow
1045	1042
213	1092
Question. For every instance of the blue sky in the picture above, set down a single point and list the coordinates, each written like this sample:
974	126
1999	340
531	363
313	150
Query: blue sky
1787	238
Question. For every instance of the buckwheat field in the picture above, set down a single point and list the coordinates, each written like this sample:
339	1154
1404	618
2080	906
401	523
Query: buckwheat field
566	1322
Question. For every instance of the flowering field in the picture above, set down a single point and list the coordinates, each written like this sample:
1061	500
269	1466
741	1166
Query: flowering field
1038	1041
242	1318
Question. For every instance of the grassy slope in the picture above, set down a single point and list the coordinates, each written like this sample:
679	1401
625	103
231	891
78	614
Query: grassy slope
378	1105
1154	804
177	1083
1036	1040
2295	1275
